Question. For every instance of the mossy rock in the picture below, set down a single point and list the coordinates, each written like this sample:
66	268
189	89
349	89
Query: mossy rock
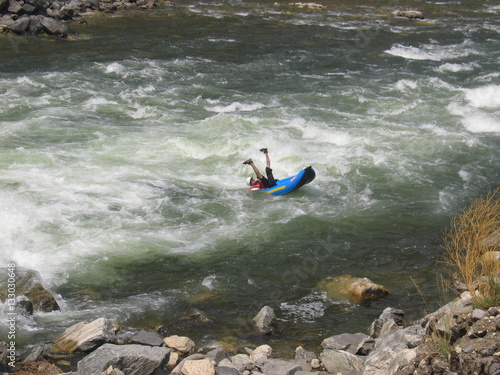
356	290
29	284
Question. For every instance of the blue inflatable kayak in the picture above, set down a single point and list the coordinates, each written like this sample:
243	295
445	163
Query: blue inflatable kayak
292	183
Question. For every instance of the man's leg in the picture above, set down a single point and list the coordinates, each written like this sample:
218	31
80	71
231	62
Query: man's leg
269	171
255	169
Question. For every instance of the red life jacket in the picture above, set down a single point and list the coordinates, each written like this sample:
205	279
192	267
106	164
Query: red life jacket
257	184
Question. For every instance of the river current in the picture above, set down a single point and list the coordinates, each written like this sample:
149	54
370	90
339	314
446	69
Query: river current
121	150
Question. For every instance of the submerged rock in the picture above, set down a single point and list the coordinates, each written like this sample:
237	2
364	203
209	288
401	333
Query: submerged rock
354	289
29	287
408	14
265	321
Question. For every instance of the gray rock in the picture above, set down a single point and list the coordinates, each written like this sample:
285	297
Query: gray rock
394	314
217	355
390	326
35	25
15	7
226	362
147	338
478	314
402	339
34	352
66	12
265	321
242	362
192	357
340	361
29	8
279	367
53	27
20	26
223	370
131	359
366	346
349	342
303	355
408	14
85	336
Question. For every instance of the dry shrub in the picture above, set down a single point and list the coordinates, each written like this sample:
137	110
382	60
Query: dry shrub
468	239
38	368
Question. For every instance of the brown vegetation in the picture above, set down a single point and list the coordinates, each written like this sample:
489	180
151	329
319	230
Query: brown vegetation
469	246
38	368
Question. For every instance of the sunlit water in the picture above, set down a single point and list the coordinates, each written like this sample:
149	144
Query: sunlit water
121	149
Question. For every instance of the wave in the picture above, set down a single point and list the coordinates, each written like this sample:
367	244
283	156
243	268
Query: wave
433	52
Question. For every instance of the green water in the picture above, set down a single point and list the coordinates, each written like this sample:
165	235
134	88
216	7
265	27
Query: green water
121	149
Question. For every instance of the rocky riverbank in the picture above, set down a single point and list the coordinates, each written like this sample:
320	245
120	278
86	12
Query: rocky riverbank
456	339
33	17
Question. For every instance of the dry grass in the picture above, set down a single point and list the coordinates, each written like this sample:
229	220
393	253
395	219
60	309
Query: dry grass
38	368
466	242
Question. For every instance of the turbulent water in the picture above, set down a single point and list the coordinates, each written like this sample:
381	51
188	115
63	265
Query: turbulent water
121	149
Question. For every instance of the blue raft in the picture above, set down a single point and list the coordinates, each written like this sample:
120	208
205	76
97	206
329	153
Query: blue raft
292	183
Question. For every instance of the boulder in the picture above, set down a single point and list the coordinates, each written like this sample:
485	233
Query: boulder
223	370
15	7
394	351
261	353
180	343
303	355
193	357
197	367
54	27
217	355
265	321
19	26
131	359
394	314
349	342
85	336
242	362
33	353
408	14
354	289
35	25
279	367
147	338
340	361
28	282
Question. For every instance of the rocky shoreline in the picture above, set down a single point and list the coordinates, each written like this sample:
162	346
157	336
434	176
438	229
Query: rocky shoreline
34	17
454	340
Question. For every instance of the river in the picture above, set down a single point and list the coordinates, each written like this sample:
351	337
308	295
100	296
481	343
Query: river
121	150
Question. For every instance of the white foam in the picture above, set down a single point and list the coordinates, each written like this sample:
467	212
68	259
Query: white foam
456	67
474	119
208	282
464	175
433	52
235	107
406	85
116	68
484	97
481	123
95	102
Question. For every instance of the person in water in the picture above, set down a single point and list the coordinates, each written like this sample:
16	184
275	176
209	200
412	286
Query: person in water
261	182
